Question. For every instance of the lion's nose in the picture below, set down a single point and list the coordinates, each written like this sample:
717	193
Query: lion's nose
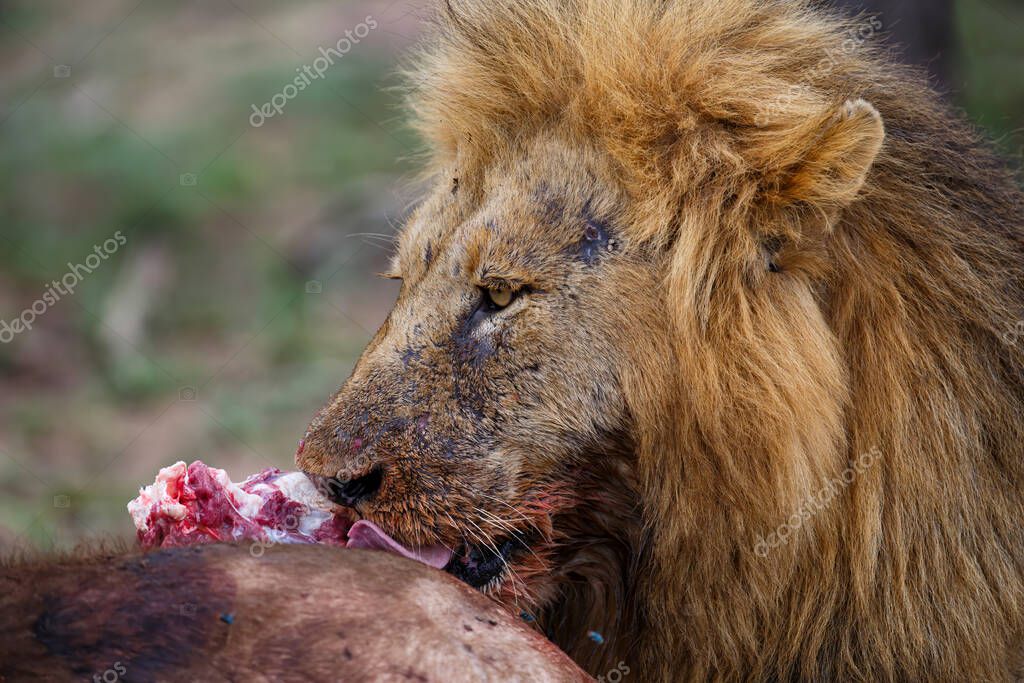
352	491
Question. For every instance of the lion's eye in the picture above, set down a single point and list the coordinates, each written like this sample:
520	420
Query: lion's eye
499	298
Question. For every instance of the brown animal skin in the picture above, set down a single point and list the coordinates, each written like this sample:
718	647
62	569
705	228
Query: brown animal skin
296	613
689	271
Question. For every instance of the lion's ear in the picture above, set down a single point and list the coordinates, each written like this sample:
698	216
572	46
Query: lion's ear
825	160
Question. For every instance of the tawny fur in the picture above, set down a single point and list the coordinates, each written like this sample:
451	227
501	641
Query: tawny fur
812	260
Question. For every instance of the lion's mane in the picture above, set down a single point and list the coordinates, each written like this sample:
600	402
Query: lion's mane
879	358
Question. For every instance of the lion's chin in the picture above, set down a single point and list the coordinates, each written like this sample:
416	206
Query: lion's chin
516	572
486	567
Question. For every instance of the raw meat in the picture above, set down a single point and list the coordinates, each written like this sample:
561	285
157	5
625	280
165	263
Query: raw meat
190	504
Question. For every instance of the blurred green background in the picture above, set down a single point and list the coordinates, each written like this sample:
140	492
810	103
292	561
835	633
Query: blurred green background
245	288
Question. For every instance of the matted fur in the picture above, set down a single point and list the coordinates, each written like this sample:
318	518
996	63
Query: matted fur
885	329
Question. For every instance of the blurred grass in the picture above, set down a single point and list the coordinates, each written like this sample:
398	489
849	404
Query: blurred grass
90	400
991	70
210	292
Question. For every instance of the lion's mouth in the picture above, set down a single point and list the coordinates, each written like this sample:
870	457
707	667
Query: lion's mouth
367	535
485	567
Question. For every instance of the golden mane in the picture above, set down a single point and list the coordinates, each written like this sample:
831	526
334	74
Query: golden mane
742	128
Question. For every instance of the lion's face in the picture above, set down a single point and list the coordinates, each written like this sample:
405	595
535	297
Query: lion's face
620	362
485	409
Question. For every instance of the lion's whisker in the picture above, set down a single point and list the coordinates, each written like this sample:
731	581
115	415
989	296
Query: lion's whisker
516	534
516	510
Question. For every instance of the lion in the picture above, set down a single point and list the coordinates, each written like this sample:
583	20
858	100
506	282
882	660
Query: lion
703	345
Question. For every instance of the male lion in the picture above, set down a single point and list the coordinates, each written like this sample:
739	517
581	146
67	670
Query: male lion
707	341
